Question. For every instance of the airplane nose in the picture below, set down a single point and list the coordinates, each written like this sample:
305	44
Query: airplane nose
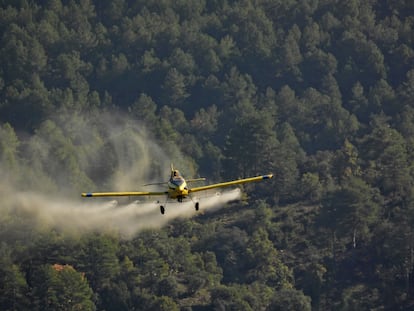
183	190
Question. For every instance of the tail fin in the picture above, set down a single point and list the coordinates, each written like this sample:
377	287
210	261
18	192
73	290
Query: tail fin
173	171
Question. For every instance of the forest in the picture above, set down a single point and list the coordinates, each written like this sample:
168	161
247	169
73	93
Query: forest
99	95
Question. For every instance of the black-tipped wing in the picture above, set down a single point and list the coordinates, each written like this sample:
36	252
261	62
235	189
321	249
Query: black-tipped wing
121	194
231	183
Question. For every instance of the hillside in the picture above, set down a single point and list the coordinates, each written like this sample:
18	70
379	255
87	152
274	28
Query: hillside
104	95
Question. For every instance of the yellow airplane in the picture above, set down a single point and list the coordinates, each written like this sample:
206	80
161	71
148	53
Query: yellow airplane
177	188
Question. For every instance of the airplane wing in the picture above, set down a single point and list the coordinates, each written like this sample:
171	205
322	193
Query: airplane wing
121	194
230	183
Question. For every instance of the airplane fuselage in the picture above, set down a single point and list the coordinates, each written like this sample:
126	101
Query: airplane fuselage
177	188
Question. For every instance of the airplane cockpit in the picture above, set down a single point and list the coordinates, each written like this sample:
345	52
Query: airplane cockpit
176	178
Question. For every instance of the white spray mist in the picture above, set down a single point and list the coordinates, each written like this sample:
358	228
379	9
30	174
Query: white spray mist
138	160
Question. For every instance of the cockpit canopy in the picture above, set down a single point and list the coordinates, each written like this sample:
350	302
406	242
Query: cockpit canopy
178	181
176	178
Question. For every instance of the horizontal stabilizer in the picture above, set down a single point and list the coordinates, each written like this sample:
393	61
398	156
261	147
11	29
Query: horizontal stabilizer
195	179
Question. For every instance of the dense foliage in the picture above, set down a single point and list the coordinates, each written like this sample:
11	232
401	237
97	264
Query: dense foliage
319	92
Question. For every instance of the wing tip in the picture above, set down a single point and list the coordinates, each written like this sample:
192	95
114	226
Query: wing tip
268	176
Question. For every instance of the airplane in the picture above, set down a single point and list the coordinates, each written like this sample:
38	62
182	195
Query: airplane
178	188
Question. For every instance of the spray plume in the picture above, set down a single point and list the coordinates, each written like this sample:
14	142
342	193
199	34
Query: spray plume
122	156
72	216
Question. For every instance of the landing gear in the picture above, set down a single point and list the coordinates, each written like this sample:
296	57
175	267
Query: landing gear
162	209
197	206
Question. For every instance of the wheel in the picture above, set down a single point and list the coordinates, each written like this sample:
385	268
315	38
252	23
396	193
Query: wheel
162	210
197	206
